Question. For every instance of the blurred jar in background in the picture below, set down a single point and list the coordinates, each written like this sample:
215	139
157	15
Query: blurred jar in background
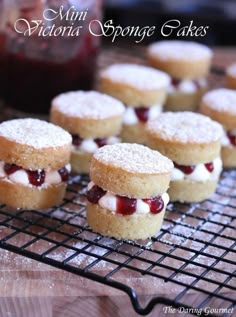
38	60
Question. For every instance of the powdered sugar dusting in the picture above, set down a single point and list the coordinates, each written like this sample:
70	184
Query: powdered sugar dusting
186	127
134	158
178	50
221	100
36	133
141	77
231	70
88	104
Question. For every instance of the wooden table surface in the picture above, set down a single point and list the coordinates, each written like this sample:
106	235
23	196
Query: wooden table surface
32	289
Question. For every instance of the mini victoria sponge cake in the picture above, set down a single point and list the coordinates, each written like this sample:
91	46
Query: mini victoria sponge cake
220	105
142	89
231	76
127	194
34	163
92	118
180	59
192	141
188	64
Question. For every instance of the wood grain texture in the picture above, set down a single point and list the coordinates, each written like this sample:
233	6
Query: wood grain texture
102	306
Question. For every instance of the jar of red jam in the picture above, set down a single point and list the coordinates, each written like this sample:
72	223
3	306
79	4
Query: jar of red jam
46	49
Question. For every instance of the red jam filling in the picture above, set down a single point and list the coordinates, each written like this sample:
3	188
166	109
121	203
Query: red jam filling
175	82
232	138
156	204
10	168
125	205
95	193
63	172
36	178
100	142
142	114
77	140
186	169
209	166
189	169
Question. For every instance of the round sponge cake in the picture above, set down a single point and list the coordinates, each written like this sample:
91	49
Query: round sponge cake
127	196
34	144
193	142
131	170
28	197
88	114
189	191
135	85
34	157
93	119
180	59
186	96
220	105
123	227
185	137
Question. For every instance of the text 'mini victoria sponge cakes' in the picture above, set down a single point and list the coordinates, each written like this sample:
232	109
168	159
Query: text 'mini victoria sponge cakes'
34	163
127	194
188	64
93	119
193	142
220	105
142	89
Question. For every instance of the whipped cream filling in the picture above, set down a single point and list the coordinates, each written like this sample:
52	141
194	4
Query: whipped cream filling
225	141
90	145
21	176
187	86
200	172
109	202
131	117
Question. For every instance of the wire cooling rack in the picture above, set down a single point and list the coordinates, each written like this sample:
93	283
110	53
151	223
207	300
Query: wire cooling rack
190	264
193	254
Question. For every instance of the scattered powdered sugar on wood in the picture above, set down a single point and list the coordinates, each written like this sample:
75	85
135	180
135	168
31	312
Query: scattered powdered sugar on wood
35	133
9	261
231	70
185	127
179	50
222	99
88	104
134	158
138	76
